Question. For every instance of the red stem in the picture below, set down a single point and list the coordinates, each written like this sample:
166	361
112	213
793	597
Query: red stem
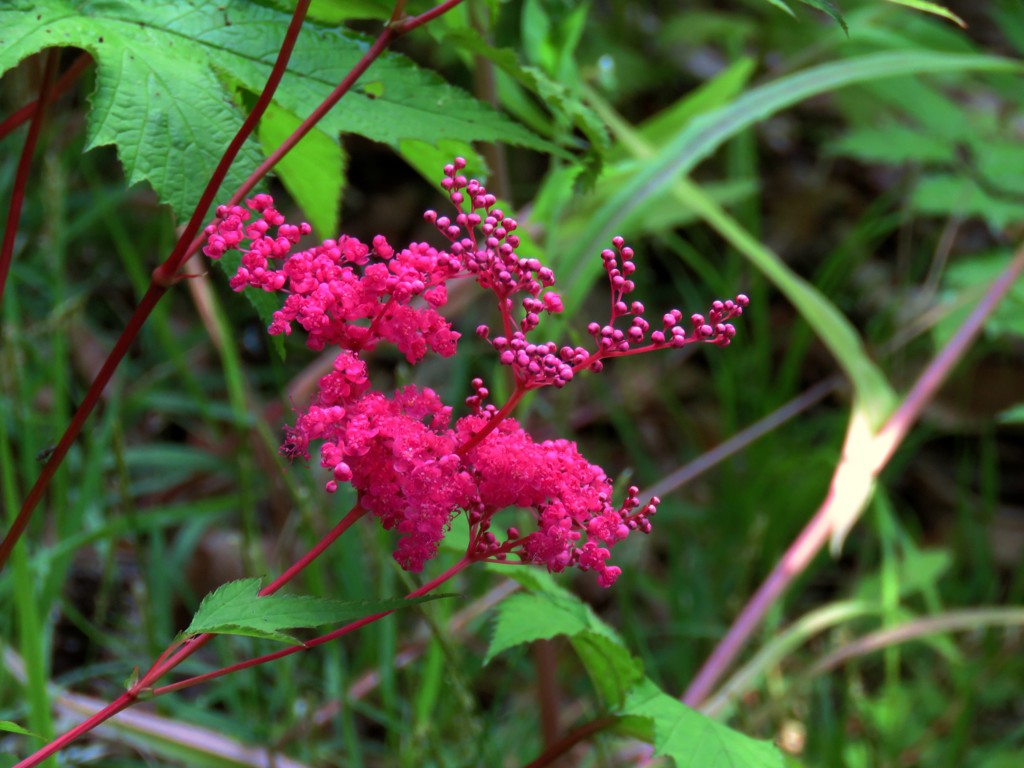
122	702
571	739
299	565
176	653
64	82
24	166
309	644
163	277
193	644
491	425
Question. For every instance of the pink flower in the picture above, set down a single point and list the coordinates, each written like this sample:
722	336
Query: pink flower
411	467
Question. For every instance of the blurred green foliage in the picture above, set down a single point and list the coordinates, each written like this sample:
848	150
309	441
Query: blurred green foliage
863	215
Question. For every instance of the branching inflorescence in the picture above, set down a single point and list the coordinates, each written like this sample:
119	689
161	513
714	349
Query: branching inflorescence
410	464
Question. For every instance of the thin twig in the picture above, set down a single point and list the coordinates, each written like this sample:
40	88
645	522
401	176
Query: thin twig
24	166
64	82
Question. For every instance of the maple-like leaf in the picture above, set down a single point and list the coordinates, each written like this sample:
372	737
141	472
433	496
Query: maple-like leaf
169	76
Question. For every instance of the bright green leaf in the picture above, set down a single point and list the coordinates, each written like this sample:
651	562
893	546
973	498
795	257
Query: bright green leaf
781	5
429	159
611	668
313	172
938	10
715	93
236	608
524	618
12	727
694	740
161	98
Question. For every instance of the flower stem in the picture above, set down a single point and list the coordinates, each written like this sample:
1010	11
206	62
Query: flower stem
310	644
496	419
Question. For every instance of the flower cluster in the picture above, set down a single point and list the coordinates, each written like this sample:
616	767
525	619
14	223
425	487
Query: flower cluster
341	292
411	466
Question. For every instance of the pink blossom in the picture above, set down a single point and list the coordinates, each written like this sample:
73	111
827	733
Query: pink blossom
410	465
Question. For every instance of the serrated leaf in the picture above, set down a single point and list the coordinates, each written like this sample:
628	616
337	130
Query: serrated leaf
161	101
694	740
524	618
313	172
609	665
236	608
560	101
156	99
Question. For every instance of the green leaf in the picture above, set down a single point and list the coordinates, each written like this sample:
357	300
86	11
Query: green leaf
917	571
717	92
829	7
12	727
313	172
560	101
943	194
894	144
236	608
963	286
781	5
1012	415
611	667
709	131
161	99
694	740
938	10
524	618
429	159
